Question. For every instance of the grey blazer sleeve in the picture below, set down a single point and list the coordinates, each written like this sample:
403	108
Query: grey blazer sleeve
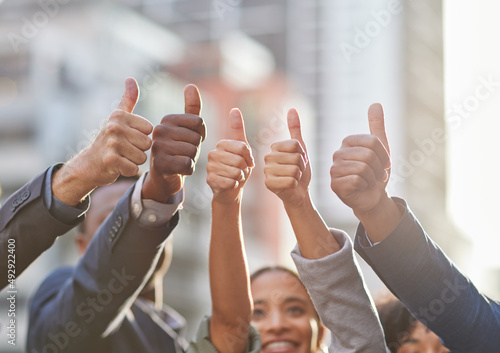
342	300
92	300
25	220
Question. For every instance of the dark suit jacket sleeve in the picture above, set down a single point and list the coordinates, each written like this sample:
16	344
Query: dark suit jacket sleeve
417	271
90	302
25	220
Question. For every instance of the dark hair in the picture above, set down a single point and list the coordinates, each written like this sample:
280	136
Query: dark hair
396	320
133	179
265	269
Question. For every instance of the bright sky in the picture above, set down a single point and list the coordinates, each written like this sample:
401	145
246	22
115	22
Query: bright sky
472	83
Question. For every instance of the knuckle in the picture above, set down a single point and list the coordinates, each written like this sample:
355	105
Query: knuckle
168	119
143	158
116	115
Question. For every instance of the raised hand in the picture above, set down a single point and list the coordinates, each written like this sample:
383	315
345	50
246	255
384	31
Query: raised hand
118	148
287	169
360	169
230	164
175	149
359	176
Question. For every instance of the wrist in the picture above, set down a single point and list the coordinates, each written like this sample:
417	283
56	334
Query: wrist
298	204
68	186
160	188
380	220
229	201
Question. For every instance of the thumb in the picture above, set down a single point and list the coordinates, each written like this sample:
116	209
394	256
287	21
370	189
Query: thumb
377	125
192	100
237	126
130	96
294	127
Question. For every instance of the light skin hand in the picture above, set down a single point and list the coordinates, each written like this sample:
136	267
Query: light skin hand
119	148
175	150
288	174
359	176
228	169
230	164
287	168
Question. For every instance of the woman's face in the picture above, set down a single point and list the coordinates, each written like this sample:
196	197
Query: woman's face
284	314
422	340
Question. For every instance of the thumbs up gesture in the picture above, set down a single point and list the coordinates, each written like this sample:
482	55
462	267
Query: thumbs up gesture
287	168
175	149
120	145
230	164
361	167
118	148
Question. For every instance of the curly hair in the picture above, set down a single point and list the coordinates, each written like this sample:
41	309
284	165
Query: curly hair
397	321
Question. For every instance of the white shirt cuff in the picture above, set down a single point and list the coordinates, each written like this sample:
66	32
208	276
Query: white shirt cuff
150	213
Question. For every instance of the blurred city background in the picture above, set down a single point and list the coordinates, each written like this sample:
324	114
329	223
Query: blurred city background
432	64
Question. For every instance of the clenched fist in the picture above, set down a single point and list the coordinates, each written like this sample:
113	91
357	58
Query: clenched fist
118	148
230	164
175	150
287	168
361	167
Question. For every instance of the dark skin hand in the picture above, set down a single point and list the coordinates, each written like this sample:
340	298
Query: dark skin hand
175	149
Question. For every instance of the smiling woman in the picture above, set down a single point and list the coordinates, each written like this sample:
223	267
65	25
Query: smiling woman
283	313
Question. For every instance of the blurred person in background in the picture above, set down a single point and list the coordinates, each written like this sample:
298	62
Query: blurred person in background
404	333
112	300
271	311
392	241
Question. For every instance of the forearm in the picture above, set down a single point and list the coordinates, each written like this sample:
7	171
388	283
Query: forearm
71	184
26	220
381	220
313	237
229	280
338	291
106	281
416	270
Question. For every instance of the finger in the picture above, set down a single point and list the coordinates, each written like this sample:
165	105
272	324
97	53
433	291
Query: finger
134	121
226	171
377	124
174	148
192	100
169	164
294	127
219	183
342	168
366	147
288	146
285	159
348	185
237	126
239	149
278	184
283	170
176	133
130	96
224	157
138	139
189	121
